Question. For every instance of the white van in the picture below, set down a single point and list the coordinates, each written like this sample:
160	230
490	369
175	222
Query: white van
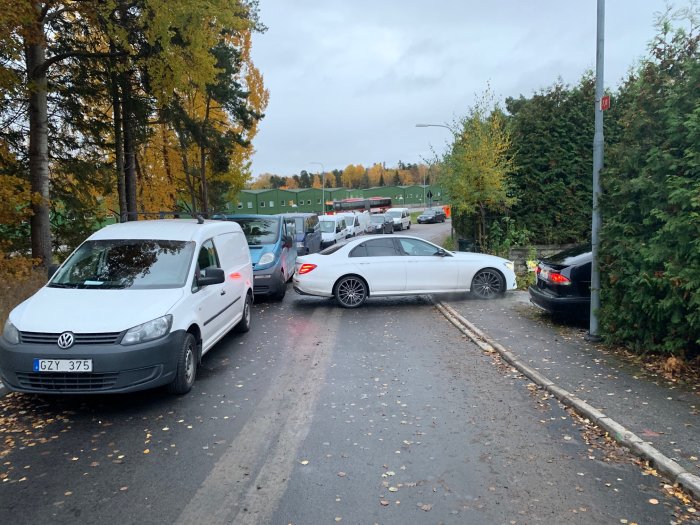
135	306
401	217
357	222
333	229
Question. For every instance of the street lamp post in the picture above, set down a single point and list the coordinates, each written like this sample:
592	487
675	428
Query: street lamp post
430	126
323	187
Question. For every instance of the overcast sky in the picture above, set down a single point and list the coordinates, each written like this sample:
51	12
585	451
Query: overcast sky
349	79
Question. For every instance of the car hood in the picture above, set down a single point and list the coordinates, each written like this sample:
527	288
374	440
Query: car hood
54	310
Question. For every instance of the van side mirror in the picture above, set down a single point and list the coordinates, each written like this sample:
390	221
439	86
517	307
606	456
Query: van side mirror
211	276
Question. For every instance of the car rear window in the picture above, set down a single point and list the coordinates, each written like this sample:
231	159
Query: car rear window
571	256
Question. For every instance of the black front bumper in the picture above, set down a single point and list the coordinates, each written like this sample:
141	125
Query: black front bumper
115	368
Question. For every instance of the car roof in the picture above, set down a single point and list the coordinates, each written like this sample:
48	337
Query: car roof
165	229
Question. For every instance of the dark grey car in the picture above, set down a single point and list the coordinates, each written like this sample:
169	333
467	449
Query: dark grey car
380	223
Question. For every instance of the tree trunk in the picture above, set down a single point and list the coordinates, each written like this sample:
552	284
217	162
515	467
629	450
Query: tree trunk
129	153
35	58
166	163
203	165
118	138
188	175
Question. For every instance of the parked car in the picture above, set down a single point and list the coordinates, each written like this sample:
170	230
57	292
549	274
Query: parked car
563	285
430	216
402	218
135	306
307	232
272	251
333	229
440	212
356	222
380	223
378	266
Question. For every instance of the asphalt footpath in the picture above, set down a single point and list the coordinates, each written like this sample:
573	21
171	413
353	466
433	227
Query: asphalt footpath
656	418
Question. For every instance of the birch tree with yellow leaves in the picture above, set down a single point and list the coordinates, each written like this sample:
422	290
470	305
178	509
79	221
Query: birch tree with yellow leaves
474	169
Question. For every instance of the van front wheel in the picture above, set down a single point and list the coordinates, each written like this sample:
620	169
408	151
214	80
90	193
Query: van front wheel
186	367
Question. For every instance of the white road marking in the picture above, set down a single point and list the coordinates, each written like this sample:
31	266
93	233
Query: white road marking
281	423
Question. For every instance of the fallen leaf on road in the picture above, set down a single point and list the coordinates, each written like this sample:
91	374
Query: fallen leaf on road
426	507
654	501
384	502
304	462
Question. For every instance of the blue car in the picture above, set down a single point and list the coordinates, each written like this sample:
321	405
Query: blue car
272	252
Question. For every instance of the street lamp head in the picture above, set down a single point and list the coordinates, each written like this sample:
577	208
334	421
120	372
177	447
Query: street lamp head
434	126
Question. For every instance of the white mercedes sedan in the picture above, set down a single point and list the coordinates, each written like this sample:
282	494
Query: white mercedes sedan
381	266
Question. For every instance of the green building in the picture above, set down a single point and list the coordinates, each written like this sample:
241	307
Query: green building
272	201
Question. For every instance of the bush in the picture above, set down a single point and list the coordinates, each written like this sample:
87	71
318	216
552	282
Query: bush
650	249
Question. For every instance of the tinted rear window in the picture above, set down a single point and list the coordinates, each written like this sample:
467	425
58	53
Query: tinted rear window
572	256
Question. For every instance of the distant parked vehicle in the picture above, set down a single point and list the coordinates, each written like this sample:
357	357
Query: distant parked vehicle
402	218
563	285
333	229
356	222
307	232
380	223
440	211
430	216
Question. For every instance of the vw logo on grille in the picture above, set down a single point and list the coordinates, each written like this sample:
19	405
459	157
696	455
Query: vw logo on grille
65	340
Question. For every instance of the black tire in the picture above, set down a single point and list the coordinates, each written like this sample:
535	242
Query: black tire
244	324
186	367
488	284
350	291
409	226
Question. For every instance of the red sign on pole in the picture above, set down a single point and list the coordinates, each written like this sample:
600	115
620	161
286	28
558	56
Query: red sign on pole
605	103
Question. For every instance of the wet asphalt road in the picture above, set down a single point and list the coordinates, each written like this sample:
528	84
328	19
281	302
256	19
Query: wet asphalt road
385	414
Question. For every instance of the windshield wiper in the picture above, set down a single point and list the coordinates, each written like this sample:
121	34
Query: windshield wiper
63	285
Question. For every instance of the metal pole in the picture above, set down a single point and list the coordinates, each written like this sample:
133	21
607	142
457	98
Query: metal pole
598	144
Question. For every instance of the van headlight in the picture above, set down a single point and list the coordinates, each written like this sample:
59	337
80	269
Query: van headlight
148	331
266	259
10	333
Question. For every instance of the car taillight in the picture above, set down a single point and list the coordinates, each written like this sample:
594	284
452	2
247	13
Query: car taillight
306	268
558	278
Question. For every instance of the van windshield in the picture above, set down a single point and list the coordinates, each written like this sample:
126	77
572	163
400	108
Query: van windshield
327	226
126	263
259	231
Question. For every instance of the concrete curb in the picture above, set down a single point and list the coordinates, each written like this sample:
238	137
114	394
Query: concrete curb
675	472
